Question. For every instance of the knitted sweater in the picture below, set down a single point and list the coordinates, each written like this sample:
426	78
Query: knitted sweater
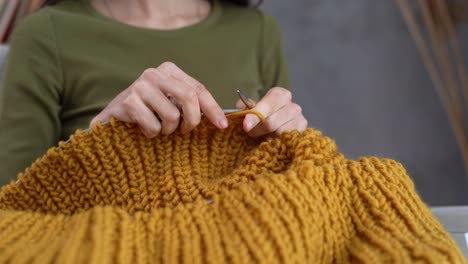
215	196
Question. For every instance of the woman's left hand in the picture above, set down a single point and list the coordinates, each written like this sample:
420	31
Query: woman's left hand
280	112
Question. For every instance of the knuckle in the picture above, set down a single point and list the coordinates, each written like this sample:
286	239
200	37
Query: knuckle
167	66
190	96
269	125
199	88
148	73
132	88
129	101
138	88
282	92
152	74
129	107
286	93
297	108
171	116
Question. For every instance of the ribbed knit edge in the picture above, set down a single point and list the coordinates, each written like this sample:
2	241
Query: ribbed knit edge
321	209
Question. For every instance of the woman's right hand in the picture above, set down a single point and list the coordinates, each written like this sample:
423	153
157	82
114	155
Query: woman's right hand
160	99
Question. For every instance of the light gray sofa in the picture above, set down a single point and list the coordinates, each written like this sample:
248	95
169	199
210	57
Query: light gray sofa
455	220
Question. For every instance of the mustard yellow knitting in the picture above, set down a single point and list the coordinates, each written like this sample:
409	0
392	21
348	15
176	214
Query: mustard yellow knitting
215	196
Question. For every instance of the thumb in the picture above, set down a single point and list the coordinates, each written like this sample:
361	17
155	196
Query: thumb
250	121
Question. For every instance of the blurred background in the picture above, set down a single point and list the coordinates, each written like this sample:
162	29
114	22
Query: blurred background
360	78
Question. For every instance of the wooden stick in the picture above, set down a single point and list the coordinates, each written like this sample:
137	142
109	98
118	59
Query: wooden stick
455	45
442	55
435	77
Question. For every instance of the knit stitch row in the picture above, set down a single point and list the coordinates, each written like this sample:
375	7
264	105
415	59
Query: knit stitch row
215	196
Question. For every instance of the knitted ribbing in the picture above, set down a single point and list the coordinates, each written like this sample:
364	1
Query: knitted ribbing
215	196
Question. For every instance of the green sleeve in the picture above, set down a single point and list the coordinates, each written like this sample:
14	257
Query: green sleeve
273	65
30	100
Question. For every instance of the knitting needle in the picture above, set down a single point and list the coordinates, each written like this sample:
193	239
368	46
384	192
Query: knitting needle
246	100
249	103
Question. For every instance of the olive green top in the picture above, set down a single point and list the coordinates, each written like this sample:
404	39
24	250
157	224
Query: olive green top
68	61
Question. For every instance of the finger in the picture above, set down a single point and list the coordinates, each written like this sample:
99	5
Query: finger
99	118
208	104
182	93
186	98
276	120
105	114
133	110
137	112
275	99
171	69
299	124
158	102
211	108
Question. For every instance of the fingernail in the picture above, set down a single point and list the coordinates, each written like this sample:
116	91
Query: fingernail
223	123
249	125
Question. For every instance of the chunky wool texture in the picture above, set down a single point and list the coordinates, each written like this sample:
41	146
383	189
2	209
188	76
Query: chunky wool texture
215	196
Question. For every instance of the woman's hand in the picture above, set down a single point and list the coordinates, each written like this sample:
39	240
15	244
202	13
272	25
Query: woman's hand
160	99
281	114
